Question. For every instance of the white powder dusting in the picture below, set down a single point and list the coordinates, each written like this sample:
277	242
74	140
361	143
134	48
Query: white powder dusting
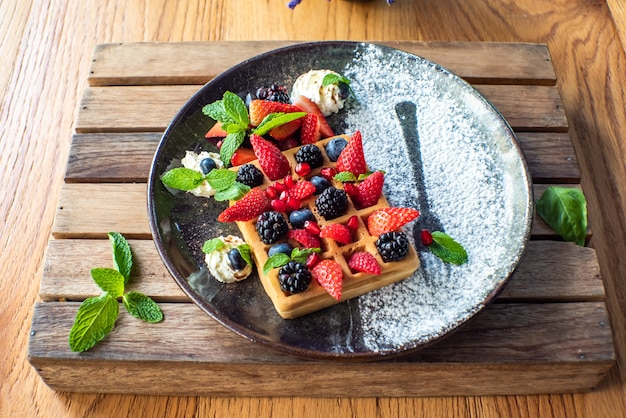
473	177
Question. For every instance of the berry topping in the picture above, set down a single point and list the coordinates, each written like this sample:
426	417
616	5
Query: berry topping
283	247
328	173
389	219
259	109
273	163
250	175
369	190
352	158
301	190
206	165
294	277
310	129
329	275
286	130
273	93
334	148
310	154
312	259
312	227
337	232
297	218
320	184
216	131
304	238
364	262
242	156
353	223
426	236
307	105
271	226
392	246
251	205
279	205
332	203
235	259
302	169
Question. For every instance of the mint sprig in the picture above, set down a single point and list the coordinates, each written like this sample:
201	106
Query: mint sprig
333	78
96	316
447	249
222	180
280	259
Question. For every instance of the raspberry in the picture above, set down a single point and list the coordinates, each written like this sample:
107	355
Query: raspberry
310	154
271	226
294	277
392	246
250	175
332	203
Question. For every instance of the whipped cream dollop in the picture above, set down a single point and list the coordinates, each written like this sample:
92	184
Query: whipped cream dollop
329	98
219	265
192	161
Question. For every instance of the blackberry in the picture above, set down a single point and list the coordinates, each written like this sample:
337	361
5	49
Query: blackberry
332	203
310	154
274	93
271	226
392	246
294	277
250	175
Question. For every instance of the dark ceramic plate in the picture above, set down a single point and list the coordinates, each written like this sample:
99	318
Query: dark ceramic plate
446	151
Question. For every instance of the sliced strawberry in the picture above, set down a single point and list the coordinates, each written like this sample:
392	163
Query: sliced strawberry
216	131
273	163
242	156
364	262
369	190
352	190
389	219
307	105
304	238
259	109
310	131
250	206
337	232
302	189
282	132
329	275
352	158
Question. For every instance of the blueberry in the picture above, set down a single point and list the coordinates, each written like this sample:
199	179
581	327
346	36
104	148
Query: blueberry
235	259
298	217
206	165
344	90
334	148
283	247
320	183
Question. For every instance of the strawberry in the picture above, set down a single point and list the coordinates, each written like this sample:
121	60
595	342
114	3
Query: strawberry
337	232
242	156
352	190
307	105
329	275
389	219
250	206
282	132
216	131
273	163
369	190
352	158
302	189
364	262
310	131
304	238
259	109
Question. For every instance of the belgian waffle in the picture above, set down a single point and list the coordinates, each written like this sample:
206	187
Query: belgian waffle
354	283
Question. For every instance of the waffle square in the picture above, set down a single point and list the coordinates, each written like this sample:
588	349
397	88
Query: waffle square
355	284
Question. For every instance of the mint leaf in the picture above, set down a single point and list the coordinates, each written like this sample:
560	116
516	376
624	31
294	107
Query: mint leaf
236	109
142	307
301	254
447	249
211	245
275	261
334	79
232	128
221	178
182	178
109	280
274	120
244	250
235	192
217	111
564	209
122	255
230	145
345	177
94	320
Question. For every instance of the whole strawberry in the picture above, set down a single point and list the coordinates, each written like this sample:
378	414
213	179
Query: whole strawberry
329	275
273	163
369	190
352	158
389	219
364	262
251	205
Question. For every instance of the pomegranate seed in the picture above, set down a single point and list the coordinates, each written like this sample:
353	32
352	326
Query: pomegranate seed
219	144
312	260
302	169
279	187
293	203
271	192
312	227
328	173
353	223
427	237
279	205
289	183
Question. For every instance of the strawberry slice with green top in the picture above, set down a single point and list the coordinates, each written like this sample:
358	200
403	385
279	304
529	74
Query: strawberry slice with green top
259	109
389	219
307	105
352	158
329	275
250	206
273	163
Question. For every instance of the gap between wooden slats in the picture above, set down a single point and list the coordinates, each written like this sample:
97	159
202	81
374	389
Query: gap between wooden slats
198	63
151	108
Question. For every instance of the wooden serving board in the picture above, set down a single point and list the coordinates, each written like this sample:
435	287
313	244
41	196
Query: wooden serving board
547	332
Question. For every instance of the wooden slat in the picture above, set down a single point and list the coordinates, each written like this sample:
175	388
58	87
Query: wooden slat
126	157
190	354
198	63
151	108
88	210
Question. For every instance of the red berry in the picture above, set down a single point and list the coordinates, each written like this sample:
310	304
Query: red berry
312	260
312	227
251	205
279	187
279	205
427	237
389	219
353	223
302	169
289	182
293	204
273	163
337	232
352	158
308	106
329	275
364	262
259	109
304	238
369	190
302	189
328	173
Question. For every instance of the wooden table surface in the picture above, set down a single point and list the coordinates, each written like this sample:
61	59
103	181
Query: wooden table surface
46	51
